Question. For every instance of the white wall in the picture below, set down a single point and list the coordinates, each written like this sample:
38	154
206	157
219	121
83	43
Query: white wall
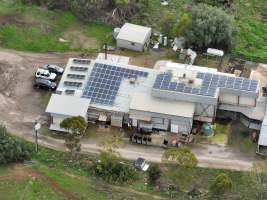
56	120
128	45
247	101
228	99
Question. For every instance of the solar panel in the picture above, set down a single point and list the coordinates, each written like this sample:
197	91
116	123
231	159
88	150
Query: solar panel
81	61
69	92
79	69
104	82
73	84
76	76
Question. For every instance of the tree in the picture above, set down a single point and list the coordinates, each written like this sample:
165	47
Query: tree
182	157
111	169
11	149
76	127
167	23
154	174
210	27
221	184
183	25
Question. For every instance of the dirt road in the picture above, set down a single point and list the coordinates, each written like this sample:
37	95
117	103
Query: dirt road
20	105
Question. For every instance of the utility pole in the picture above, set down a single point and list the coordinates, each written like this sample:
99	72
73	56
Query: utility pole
37	126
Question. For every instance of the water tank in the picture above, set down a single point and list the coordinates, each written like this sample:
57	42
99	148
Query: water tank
207	129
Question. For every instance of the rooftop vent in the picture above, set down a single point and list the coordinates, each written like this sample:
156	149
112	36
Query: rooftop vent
132	80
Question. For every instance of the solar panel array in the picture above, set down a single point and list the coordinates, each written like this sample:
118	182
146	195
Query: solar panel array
210	83
104	82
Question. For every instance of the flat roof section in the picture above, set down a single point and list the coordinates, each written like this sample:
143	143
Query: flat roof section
146	103
134	33
68	105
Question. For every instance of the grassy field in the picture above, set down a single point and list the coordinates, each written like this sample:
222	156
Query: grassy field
31	28
251	29
56	175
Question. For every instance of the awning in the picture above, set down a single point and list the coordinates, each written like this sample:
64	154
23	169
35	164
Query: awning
140	117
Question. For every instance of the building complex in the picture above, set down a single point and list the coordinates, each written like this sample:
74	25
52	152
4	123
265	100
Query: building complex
171	97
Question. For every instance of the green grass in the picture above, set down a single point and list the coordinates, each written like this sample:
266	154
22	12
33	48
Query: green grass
220	136
28	188
74	175
31	28
251	30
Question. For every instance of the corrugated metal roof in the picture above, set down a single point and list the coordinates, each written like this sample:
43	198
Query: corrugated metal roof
145	102
67	105
134	33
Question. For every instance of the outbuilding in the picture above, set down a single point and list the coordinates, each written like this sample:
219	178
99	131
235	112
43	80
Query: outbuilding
134	37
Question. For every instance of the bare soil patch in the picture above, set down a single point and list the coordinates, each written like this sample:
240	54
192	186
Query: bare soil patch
14	18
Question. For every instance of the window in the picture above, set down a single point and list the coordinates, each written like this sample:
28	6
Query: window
133	44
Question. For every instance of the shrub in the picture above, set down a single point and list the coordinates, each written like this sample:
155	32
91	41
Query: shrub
221	184
182	157
167	23
111	169
210	27
11	149
154	174
183	25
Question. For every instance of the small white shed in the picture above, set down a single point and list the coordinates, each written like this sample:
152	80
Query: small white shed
134	37
61	107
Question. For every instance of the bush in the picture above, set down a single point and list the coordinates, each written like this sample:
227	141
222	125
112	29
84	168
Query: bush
154	174
183	157
167	23
11	149
210	27
112	170
221	184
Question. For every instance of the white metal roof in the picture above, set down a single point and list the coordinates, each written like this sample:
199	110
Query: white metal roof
114	58
67	105
134	33
145	102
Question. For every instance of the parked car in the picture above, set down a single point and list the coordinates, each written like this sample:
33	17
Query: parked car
54	69
141	164
45	74
44	84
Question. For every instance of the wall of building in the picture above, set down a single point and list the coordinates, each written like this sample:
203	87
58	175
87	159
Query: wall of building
161	121
130	45
238	100
55	122
205	112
